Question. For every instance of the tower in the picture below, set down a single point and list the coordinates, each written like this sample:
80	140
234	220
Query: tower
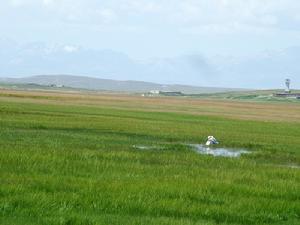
287	84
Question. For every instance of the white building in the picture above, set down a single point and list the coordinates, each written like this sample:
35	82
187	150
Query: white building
155	92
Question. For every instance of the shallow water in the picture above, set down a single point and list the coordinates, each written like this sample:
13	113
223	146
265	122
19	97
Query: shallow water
292	166
203	149
215	151
144	147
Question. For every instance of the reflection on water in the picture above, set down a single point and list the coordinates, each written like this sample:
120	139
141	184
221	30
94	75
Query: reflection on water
144	147
215	151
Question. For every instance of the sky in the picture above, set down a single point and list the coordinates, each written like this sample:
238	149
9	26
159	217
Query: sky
240	43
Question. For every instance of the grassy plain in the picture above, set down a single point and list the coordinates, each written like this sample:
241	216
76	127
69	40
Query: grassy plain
68	158
255	96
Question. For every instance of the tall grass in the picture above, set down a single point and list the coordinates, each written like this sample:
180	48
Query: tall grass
77	165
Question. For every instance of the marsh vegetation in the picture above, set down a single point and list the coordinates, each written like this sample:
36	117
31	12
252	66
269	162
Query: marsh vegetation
69	158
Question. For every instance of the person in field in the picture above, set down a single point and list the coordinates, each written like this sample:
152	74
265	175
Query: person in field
211	140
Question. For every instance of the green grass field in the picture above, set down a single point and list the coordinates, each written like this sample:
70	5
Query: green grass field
69	159
256	96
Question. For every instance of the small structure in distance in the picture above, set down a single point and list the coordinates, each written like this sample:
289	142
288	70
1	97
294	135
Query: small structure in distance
287	92
162	93
287	84
56	85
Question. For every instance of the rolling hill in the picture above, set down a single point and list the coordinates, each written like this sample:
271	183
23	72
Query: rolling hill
90	83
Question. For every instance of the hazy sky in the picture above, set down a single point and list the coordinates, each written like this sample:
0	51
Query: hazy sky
145	29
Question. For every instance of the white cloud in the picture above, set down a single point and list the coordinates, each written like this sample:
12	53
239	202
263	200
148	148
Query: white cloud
164	24
269	20
142	6
179	12
107	15
70	48
30	3
48	2
17	3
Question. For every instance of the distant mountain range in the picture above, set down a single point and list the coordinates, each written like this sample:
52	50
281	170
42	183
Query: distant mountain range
83	82
266	70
